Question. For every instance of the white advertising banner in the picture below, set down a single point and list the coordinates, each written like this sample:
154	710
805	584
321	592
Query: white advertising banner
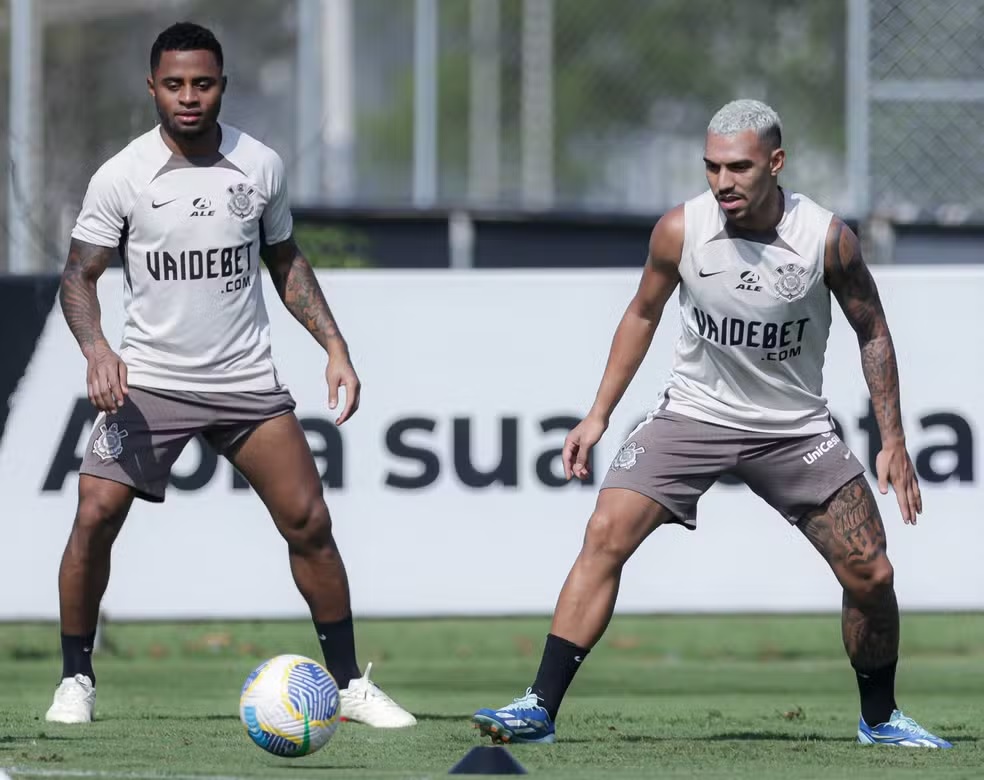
445	488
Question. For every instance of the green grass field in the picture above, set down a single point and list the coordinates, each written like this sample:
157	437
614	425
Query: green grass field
665	697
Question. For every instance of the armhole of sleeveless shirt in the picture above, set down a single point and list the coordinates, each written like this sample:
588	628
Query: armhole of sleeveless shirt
689	229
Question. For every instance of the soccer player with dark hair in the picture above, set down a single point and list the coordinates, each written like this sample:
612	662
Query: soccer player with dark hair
192	206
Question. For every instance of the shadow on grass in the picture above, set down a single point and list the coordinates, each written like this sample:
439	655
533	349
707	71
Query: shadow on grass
443	716
325	767
739	736
766	736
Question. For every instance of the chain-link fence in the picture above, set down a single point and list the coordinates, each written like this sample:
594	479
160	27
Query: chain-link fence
926	97
540	104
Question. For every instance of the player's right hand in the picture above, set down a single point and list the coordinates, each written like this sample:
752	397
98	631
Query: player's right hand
341	374
106	380
578	444
894	467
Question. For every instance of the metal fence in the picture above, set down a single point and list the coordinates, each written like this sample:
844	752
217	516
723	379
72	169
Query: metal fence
593	105
926	96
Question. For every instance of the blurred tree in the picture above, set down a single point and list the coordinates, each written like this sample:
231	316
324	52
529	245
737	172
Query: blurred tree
632	67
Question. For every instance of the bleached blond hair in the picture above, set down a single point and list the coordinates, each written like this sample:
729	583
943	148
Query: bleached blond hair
740	115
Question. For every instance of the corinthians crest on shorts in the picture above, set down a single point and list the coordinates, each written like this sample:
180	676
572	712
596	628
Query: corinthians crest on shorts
241	201
627	455
791	282
109	445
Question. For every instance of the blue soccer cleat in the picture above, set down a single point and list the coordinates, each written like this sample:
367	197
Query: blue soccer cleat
900	730
525	720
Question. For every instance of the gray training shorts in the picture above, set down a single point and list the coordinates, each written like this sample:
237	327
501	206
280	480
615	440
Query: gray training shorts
138	445
674	459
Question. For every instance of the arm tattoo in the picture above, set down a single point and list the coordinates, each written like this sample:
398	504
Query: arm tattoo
851	282
85	264
298	288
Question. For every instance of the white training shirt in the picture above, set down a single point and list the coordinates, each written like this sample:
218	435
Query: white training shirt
189	236
756	316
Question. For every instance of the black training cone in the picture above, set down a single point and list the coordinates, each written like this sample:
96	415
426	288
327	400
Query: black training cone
488	761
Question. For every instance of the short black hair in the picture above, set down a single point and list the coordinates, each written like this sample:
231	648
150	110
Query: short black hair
185	36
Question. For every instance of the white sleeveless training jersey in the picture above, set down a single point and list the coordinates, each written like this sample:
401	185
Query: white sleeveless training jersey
756	316
189	236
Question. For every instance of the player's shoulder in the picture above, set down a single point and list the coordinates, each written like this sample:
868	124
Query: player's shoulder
673	219
249	154
705	200
138	160
701	206
695	215
120	179
701	217
666	239
820	223
802	205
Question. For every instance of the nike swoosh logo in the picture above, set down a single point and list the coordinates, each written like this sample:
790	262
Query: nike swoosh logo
712	273
154	205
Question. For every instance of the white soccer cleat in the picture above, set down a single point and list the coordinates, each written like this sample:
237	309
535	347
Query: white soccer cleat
75	700
365	702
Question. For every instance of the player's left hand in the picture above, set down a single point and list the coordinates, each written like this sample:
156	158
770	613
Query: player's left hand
894	466
341	374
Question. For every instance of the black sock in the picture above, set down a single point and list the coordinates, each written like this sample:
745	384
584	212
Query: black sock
77	655
338	646
877	688
560	662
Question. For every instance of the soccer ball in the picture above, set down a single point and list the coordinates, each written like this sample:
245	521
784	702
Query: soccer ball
289	705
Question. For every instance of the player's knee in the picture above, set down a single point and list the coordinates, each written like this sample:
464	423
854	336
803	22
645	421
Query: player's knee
873	580
605	538
97	521
308	529
881	578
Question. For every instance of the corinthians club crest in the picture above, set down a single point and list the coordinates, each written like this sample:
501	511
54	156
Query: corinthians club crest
241	202
791	283
626	457
109	445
